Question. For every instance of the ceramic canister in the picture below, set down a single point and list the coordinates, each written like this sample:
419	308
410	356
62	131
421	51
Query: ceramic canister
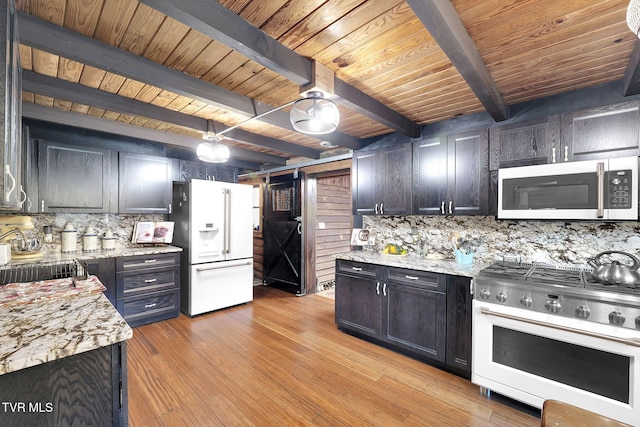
108	241
69	236
90	240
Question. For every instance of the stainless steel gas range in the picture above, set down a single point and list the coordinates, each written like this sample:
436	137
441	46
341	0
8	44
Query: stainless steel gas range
553	332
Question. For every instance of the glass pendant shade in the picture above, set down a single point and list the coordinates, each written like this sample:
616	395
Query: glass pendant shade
315	115
633	17
213	152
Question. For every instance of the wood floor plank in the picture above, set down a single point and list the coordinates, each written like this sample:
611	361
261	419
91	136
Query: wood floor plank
279	361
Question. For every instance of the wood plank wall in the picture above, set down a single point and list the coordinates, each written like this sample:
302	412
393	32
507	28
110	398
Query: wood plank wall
334	210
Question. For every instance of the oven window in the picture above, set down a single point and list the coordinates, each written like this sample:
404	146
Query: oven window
596	371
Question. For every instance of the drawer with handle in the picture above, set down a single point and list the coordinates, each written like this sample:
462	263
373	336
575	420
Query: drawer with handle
150	307
361	269
418	278
147	261
149	281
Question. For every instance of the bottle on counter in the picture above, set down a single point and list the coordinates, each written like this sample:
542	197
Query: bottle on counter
48	234
90	240
69	238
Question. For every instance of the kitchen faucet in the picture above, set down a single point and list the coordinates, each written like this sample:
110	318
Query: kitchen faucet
16	230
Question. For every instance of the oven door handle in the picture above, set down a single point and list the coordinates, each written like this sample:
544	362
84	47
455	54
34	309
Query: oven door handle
631	341
600	176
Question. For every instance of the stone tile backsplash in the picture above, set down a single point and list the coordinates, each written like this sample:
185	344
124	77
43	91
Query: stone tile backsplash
556	242
120	225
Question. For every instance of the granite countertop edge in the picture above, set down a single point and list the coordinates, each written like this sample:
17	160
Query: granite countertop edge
50	329
414	262
80	255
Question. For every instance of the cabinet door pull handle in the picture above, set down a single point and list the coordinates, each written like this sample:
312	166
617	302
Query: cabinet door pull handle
442	208
384	289
377	288
29	204
149	261
553	155
566	153
381	208
150	305
450	207
375	209
150	280
170	209
24	197
356	268
42	206
412	277
7	172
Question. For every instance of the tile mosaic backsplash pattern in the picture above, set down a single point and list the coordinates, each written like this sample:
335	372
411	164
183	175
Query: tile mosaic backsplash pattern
555	242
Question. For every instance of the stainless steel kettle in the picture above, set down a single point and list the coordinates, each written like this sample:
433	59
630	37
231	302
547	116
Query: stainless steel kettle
616	273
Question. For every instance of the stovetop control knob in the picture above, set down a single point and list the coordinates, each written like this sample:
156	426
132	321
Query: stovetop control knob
501	297
553	306
485	294
616	318
526	301
583	312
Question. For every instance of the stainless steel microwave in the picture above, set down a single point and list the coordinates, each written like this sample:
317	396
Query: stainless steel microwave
588	190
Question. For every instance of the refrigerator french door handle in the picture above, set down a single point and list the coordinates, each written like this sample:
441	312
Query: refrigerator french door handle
221	265
227	220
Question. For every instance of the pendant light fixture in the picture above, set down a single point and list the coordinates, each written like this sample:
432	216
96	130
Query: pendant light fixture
633	17
212	150
314	115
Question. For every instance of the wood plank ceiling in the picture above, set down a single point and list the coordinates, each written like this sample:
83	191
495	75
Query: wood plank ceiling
171	69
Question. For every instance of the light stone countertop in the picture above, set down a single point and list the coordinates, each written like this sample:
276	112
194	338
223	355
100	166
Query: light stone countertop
80	255
414	262
49	320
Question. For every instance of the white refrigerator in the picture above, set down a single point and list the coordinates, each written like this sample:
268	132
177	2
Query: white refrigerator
214	227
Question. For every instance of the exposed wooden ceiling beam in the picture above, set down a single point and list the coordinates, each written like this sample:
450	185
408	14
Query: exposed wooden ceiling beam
631	79
70	118
443	23
74	92
214	20
58	40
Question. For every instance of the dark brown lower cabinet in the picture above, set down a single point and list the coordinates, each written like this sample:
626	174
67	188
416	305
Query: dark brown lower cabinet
148	287
422	314
459	323
86	389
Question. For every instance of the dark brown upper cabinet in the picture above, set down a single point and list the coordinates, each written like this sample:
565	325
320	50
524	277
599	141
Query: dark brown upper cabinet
381	181
145	183
522	144
12	194
610	131
451	174
77	179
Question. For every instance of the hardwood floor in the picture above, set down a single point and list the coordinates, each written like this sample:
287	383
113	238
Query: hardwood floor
281	361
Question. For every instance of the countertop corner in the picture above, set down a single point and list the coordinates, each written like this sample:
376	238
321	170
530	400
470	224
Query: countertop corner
415	262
